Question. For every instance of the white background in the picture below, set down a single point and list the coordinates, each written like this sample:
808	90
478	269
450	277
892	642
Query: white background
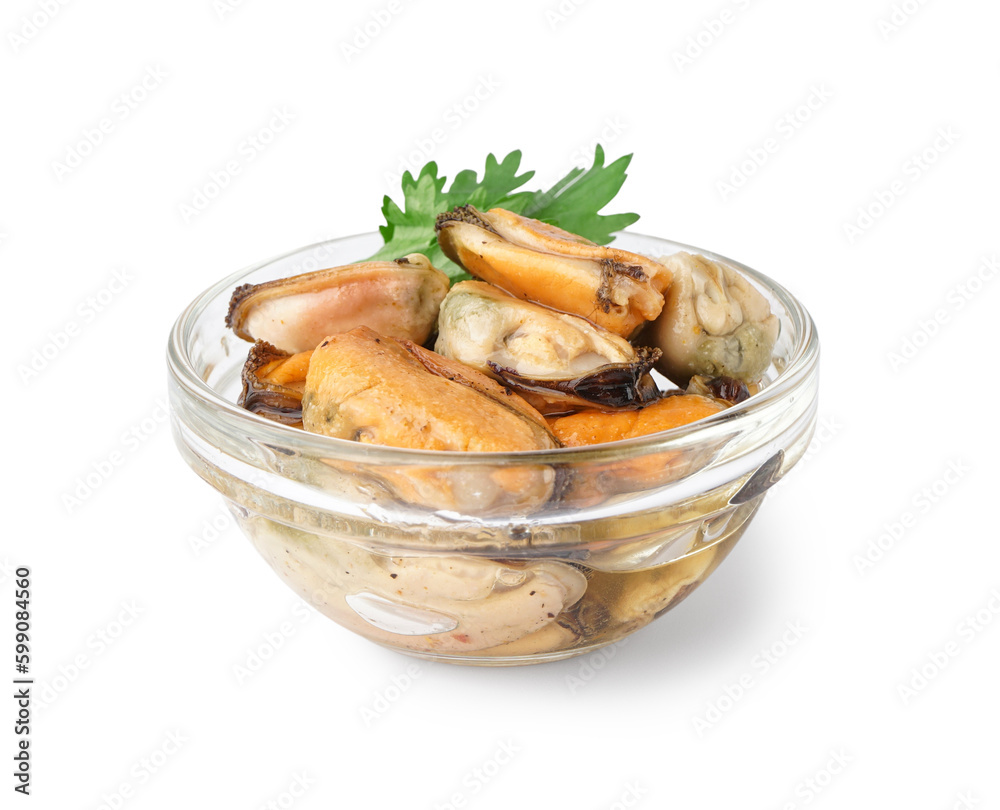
367	727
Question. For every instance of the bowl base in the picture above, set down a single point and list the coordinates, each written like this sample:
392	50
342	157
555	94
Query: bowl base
503	660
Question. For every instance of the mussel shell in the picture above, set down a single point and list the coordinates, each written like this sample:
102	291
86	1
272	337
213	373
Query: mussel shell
277	402
728	389
618	385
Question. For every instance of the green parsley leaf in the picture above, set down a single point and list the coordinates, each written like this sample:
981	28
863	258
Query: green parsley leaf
572	203
407	231
499	181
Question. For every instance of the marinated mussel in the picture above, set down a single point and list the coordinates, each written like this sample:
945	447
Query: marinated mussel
596	427
372	389
397	299
714	323
429	603
597	482
618	290
554	360
273	382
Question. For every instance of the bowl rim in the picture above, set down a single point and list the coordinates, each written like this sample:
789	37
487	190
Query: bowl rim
800	365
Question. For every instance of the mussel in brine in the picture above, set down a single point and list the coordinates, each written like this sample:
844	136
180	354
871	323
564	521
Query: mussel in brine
714	323
616	289
596	427
397	299
371	388
273	382
368	388
594	483
443	603
554	360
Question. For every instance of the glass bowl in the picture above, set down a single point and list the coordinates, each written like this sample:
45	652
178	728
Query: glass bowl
487	558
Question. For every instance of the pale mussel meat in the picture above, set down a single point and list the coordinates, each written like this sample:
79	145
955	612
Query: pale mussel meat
398	299
554	360
715	323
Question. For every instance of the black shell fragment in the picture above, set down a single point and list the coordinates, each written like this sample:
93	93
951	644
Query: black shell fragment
618	385
275	402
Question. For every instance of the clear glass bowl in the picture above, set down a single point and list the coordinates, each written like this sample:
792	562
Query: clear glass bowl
489	558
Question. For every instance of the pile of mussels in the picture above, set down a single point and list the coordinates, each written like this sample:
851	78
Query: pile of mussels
553	345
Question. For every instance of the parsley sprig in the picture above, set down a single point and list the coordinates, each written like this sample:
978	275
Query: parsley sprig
572	203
